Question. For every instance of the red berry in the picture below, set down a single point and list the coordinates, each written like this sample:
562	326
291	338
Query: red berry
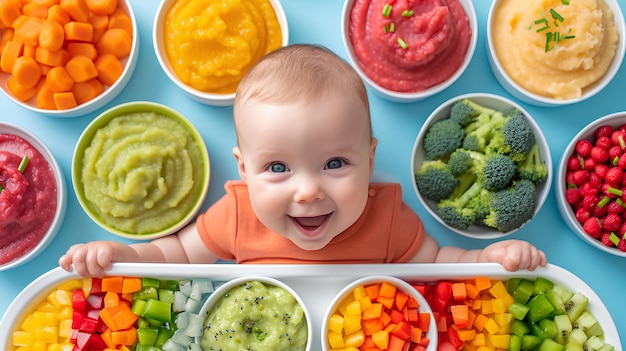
589	164
574	163
622	245
583	147
622	128
601	170
611	222
622	228
573	195
599	154
621	163
614	207
599	211
582	215
590	202
614	176
592	227
580	177
603	142
603	131
589	189
595	180
618	138
605	239
614	153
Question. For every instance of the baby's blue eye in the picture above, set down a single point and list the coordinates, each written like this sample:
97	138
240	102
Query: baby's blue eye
335	163
277	168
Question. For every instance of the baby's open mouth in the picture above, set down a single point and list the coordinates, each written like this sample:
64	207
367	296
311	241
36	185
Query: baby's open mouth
311	224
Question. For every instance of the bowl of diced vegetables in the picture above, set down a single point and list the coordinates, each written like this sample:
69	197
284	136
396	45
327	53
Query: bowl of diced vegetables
72	63
481	166
380	312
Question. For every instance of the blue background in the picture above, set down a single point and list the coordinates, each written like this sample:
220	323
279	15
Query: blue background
395	125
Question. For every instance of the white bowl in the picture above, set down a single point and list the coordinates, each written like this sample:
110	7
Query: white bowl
399	96
214	99
216	296
527	96
110	92
401	285
498	103
85	140
61	200
614	120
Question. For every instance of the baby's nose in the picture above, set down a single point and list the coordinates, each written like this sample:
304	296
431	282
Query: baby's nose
308	190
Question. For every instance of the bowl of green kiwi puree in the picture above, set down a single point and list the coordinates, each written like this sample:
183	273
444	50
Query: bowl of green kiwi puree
255	313
141	170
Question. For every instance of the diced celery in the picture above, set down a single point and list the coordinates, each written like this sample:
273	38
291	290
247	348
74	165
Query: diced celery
158	310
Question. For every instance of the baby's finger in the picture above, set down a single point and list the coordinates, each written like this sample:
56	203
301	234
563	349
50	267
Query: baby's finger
92	265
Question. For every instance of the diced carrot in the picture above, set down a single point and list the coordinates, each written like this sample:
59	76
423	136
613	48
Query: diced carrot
26	71
372	326
124	337
482	283
27	29
111	299
423	321
401	299
79	31
12	50
471	291
101	7
33	9
77	9
88	90
458	291
460	315
59	80
372	312
64	100
118	317
20	92
10	10
113	284
107	337
100	25
46	3
416	334
85	49
44	98
51	35
29	51
387	290
373	291
120	19
81	69
115	41
57	14
131	285
386	301
5	36
109	69
52	58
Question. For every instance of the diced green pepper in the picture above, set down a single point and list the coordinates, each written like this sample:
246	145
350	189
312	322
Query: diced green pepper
166	295
523	291
147	336
164	335
146	293
518	310
158	310
539	308
150	282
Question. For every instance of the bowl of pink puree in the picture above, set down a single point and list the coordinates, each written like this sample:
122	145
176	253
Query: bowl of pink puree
32	196
407	52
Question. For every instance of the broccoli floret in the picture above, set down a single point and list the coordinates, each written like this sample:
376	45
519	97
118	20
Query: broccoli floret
533	168
466	111
435	181
493	170
454	211
480	204
476	139
512	135
459	162
442	138
510	208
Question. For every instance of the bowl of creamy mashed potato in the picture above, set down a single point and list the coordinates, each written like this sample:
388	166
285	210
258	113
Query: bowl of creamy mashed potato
555	52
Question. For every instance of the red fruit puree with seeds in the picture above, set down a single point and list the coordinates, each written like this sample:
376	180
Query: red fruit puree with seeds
28	198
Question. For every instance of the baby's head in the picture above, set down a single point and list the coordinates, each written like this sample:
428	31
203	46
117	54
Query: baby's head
305	145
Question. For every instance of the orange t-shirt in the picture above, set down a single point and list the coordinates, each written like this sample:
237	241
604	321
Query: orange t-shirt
388	231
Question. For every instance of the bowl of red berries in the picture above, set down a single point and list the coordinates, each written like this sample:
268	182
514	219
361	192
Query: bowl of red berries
591	191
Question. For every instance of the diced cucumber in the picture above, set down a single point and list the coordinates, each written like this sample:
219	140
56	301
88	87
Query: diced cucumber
539	308
545	329
530	342
542	285
518	310
515	343
519	327
523	291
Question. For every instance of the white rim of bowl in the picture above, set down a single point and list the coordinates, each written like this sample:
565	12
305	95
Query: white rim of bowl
539	137
109	93
224	288
373	279
565	209
166	67
527	96
59	214
470	11
85	204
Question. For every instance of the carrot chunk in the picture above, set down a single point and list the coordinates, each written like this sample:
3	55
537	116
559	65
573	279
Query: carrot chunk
57	14
65	100
88	90
12	50
51	58
77	9
115	41
80	31
44	98
100	25
27	29
26	71
10	10
120	19
51	35
33	9
20	92
59	80
109	69
81	69
101	7
85	49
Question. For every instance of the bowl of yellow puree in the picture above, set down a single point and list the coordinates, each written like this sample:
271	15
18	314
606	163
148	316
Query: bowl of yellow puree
206	46
140	170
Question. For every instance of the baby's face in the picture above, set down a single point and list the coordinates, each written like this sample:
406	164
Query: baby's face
307	165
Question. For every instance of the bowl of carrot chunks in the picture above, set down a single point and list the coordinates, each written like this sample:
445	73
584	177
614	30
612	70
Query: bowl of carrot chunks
66	58
379	313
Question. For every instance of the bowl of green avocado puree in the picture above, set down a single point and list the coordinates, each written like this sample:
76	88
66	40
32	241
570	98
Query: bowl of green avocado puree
255	313
140	170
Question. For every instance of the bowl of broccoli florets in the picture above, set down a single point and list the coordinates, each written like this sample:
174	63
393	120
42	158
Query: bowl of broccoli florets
481	166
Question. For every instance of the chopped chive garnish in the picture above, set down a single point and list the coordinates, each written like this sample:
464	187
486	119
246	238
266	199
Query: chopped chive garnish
392	27
23	164
386	29
543	20
556	16
614	238
565	2
402	43
386	10
407	13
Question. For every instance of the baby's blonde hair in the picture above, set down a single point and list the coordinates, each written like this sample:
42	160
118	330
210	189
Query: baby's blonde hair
298	72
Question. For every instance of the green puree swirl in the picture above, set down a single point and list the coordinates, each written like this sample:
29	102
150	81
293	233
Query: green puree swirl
139	171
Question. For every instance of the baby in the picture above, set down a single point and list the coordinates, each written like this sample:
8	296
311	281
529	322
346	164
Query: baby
305	154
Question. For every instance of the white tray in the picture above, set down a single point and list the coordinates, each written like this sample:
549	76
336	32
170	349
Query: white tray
316	284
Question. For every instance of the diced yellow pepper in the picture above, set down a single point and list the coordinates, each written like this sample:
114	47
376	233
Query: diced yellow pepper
351	323
335	339
500	341
29	323
491	326
66	312
358	292
498	289
498	305
72	284
23	338
503	319
43	319
46	306
48	334
355	339
484	348
345	349
480	321
65	328
365	302
486	307
335	323
59	298
39	346
381	339
466	334
353	308
479	339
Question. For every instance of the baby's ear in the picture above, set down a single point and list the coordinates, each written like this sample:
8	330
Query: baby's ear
373	144
241	167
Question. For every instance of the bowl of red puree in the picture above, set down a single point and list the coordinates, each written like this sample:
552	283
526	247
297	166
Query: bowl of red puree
32	196
407	51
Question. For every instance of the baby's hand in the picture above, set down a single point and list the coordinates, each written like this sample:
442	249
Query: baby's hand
514	255
94	258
